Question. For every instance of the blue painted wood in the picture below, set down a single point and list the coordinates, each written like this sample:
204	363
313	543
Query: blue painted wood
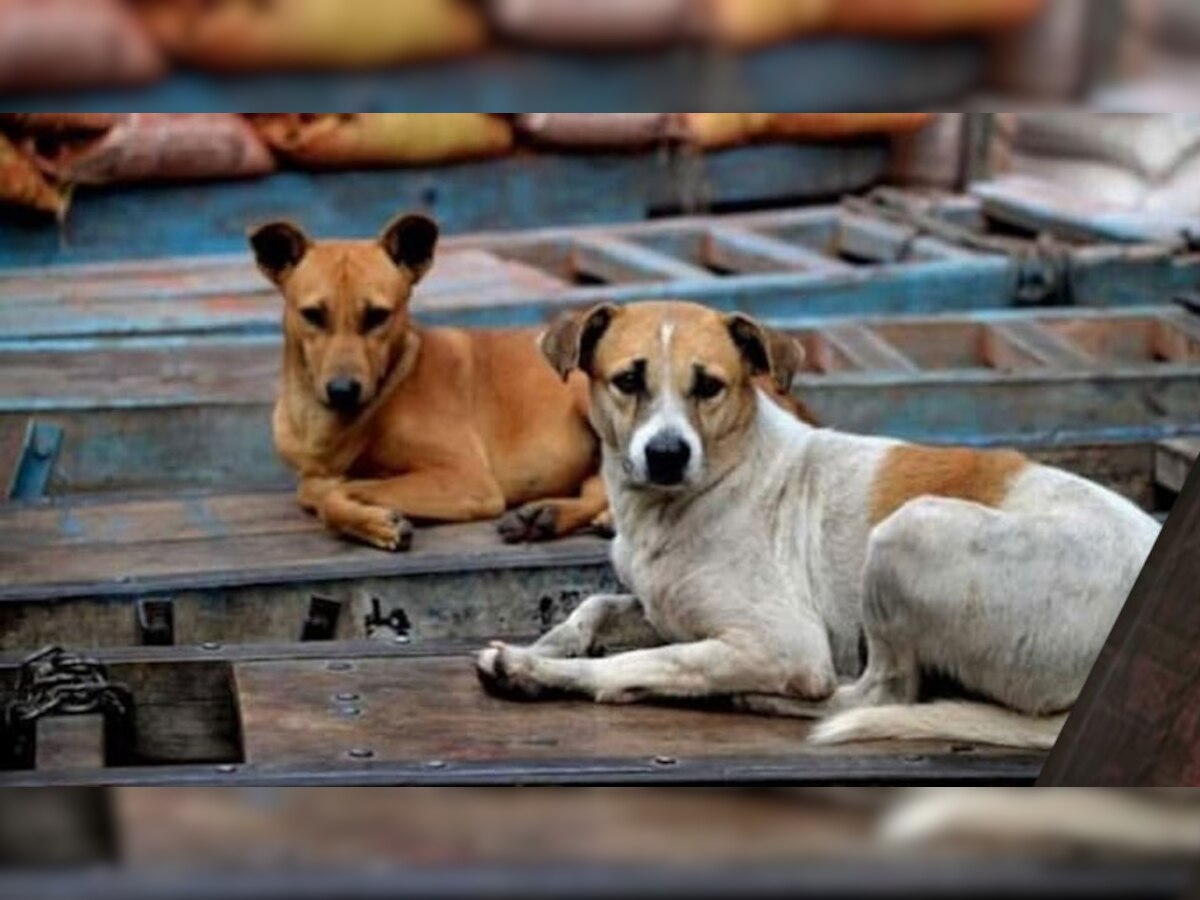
820	74
513	192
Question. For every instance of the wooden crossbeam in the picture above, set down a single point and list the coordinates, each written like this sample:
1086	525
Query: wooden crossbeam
867	350
614	260
743	251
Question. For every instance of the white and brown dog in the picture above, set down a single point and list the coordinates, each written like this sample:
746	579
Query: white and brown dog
760	551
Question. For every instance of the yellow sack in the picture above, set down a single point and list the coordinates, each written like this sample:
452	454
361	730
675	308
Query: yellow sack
752	23
245	35
712	131
931	17
21	182
349	140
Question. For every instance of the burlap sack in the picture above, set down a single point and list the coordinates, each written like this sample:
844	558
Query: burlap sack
835	126
52	122
931	17
596	130
349	140
752	23
247	35
712	131
22	184
592	23
1151	146
54	44
1099	182
159	147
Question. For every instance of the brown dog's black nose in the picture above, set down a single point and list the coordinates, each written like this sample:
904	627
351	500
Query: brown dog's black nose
343	393
667	456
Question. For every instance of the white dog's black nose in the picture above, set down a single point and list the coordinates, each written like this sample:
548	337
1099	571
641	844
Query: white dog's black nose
343	393
667	456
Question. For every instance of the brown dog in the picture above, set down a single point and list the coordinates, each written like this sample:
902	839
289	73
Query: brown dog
385	421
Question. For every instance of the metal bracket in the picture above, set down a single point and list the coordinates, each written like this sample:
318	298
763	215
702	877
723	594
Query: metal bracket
397	621
35	464
321	622
156	622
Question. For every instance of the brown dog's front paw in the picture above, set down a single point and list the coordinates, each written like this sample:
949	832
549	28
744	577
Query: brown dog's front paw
507	672
388	530
531	522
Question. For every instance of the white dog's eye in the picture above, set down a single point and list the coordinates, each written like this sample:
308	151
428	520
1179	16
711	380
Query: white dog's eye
630	382
706	386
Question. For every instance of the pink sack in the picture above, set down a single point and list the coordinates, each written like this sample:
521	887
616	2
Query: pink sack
159	147
56	44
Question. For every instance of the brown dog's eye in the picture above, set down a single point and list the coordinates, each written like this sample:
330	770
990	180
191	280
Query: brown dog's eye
706	386
314	316
374	317
630	382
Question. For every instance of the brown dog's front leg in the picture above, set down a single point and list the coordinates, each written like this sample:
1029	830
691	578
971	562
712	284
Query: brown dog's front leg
542	520
378	526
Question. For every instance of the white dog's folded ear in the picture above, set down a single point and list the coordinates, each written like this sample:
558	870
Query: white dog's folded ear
767	352
278	248
410	241
570	341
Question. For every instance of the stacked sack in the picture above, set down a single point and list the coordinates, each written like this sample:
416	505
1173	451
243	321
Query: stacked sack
1135	162
707	131
49	44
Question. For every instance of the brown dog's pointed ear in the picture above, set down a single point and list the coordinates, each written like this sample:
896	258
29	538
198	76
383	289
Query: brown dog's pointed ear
766	352
278	248
570	341
410	241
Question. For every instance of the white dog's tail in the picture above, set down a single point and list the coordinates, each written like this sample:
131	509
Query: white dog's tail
948	720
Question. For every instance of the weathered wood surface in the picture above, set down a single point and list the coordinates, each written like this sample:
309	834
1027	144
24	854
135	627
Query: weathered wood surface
193	411
817	261
240	568
424	719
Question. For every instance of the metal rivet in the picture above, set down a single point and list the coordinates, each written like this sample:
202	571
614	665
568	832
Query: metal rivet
345	697
349	711
210	645
339	666
400	639
665	760
226	768
436	764
913	758
360	753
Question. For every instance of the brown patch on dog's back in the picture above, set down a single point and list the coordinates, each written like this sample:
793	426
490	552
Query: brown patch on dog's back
908	472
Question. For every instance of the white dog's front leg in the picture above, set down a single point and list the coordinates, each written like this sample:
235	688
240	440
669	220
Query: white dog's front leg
701	668
619	616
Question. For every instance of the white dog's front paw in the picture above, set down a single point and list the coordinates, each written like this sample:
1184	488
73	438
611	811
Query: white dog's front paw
509	672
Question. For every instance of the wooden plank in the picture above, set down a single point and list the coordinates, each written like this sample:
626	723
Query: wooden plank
70	743
1174	460
1134	723
1046	347
743	251
288	719
614	260
866	350
867	238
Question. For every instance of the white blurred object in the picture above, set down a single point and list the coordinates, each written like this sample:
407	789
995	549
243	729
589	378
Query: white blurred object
592	23
1153	822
